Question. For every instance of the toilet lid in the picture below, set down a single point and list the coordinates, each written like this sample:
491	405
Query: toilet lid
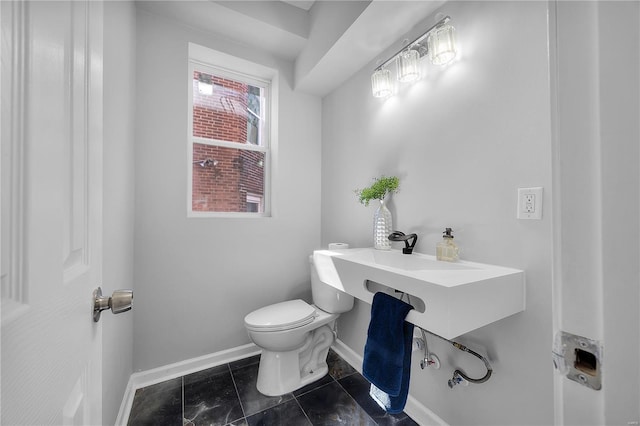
281	316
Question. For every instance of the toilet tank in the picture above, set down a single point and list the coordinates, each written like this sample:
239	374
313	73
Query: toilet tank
326	297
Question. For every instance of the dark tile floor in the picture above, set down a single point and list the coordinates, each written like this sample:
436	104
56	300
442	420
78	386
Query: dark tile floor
227	395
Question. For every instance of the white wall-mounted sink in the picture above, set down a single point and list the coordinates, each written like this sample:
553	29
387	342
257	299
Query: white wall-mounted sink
449	298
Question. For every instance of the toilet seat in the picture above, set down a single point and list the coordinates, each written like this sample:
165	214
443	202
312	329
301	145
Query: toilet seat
281	316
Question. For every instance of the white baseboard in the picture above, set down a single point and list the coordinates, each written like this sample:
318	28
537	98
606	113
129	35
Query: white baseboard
414	409
178	369
125	405
418	412
348	354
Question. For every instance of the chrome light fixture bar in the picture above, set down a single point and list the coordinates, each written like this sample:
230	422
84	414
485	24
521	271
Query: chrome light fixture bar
439	42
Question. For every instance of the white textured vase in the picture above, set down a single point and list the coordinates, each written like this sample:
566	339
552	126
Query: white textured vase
382	227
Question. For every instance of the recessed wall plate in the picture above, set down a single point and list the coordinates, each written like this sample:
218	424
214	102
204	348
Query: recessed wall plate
579	359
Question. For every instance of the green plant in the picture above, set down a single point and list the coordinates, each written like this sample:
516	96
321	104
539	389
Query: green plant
378	190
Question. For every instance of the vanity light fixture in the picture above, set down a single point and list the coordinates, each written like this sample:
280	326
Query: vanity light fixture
439	42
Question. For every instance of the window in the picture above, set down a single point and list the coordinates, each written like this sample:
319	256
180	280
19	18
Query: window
255	203
229	136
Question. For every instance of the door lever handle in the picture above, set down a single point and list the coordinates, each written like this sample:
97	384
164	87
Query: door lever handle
120	301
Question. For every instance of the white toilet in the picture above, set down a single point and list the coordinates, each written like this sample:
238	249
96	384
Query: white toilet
295	337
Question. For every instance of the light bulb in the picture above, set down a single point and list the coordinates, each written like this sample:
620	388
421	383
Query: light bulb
381	83
441	44
407	63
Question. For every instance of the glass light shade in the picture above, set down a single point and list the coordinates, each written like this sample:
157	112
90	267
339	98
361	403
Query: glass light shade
381	83
407	63
441	44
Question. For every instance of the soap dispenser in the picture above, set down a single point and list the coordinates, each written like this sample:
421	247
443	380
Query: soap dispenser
447	250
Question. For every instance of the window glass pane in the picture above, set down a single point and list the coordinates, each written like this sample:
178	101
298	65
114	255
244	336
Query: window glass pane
227	179
227	110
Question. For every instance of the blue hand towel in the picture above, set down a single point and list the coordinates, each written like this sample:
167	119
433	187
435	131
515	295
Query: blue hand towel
387	353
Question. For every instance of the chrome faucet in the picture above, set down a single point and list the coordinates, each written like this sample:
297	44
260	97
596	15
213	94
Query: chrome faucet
400	236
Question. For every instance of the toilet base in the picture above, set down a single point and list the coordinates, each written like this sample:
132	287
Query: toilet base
283	372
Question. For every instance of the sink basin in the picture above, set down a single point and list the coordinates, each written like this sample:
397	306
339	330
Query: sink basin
449	298
397	260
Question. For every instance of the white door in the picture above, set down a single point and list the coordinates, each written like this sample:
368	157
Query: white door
51	211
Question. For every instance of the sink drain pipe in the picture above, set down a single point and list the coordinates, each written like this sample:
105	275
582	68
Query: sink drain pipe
459	377
457	374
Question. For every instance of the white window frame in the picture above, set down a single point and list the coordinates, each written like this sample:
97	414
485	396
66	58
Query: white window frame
255	199
228	66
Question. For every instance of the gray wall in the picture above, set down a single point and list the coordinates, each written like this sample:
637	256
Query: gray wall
197	278
119	105
462	141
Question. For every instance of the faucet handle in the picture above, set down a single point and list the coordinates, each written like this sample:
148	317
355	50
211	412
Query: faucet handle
395	235
401	236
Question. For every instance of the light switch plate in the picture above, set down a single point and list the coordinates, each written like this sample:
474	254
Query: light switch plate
529	203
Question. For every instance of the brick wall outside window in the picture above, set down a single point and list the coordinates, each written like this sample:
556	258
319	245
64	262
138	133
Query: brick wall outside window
223	116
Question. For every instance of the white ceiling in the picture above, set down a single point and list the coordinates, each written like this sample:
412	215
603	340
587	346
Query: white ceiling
284	29
302	4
